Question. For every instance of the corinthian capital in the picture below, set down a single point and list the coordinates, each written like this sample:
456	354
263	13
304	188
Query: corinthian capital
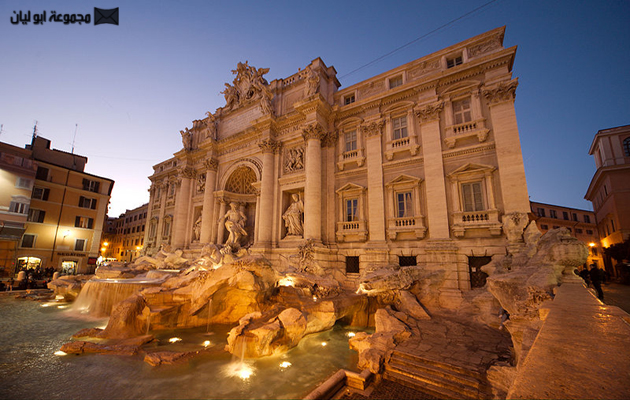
269	146
187	173
313	131
211	164
430	112
331	139
504	91
372	128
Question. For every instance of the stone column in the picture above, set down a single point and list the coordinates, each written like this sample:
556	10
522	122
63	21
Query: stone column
208	200
221	226
376	199
182	203
508	146
437	208
265	227
313	135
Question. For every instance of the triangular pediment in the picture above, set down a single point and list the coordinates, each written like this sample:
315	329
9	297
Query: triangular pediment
403	178
472	168
350	186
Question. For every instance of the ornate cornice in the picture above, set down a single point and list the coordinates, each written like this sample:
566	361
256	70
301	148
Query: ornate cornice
211	164
504	91
372	128
269	146
313	131
430	112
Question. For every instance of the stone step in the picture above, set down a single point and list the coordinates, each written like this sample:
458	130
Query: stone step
437	376
424	387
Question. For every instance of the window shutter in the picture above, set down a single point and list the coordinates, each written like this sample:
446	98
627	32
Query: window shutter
77	222
81	201
40	217
46	192
96	186
90	223
86	184
478	196
93	204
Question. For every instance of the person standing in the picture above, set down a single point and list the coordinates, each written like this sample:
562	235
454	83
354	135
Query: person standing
597	276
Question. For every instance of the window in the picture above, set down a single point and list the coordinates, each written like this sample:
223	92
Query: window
587	219
540	212
40	193
454	61
28	241
578	230
472	196
83	222
166	228
42	174
135	217
349	99
461	111
352	265
351	210
86	202
91	186
545	227
612	225
626	146
565	215
556	227
404	205
79	244
553	214
351	140
399	127
589	231
395	81
24	183
407	261
19	206
574	216
36	215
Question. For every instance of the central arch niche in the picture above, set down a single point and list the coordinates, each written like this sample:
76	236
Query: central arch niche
240	188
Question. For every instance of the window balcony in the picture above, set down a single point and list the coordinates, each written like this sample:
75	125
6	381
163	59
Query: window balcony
414	225
466	130
352	231
400	146
488	219
349	157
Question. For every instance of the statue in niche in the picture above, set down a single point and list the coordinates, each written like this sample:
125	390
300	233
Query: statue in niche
312	81
197	228
187	139
201	183
293	217
235	225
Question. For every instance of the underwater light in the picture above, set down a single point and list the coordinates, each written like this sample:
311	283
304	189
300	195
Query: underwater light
324	344
285	364
175	340
60	353
206	343
351	334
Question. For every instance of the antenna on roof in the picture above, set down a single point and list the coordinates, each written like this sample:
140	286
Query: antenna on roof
1	126
35	131
76	127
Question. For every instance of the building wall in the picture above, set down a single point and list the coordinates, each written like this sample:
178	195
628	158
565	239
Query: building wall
67	212
609	190
127	239
429	152
17	175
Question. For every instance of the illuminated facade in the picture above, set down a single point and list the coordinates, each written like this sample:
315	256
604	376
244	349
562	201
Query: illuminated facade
127	239
417	165
17	175
66	212
609	190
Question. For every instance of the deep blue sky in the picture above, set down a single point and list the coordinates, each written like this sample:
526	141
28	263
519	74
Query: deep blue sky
131	88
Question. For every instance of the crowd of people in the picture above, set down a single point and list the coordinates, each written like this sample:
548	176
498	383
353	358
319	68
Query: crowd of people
34	278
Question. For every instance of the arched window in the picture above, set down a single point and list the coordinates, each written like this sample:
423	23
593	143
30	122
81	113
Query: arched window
626	146
241	181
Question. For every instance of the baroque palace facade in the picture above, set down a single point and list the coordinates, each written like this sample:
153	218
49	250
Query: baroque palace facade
418	165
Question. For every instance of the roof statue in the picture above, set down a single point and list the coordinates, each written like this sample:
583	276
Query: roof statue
249	84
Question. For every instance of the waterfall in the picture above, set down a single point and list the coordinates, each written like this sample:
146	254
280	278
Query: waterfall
98	296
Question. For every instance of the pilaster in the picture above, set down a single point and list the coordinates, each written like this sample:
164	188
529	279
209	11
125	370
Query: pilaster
208	200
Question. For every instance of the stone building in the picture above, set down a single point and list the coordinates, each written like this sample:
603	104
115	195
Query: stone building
609	190
418	165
